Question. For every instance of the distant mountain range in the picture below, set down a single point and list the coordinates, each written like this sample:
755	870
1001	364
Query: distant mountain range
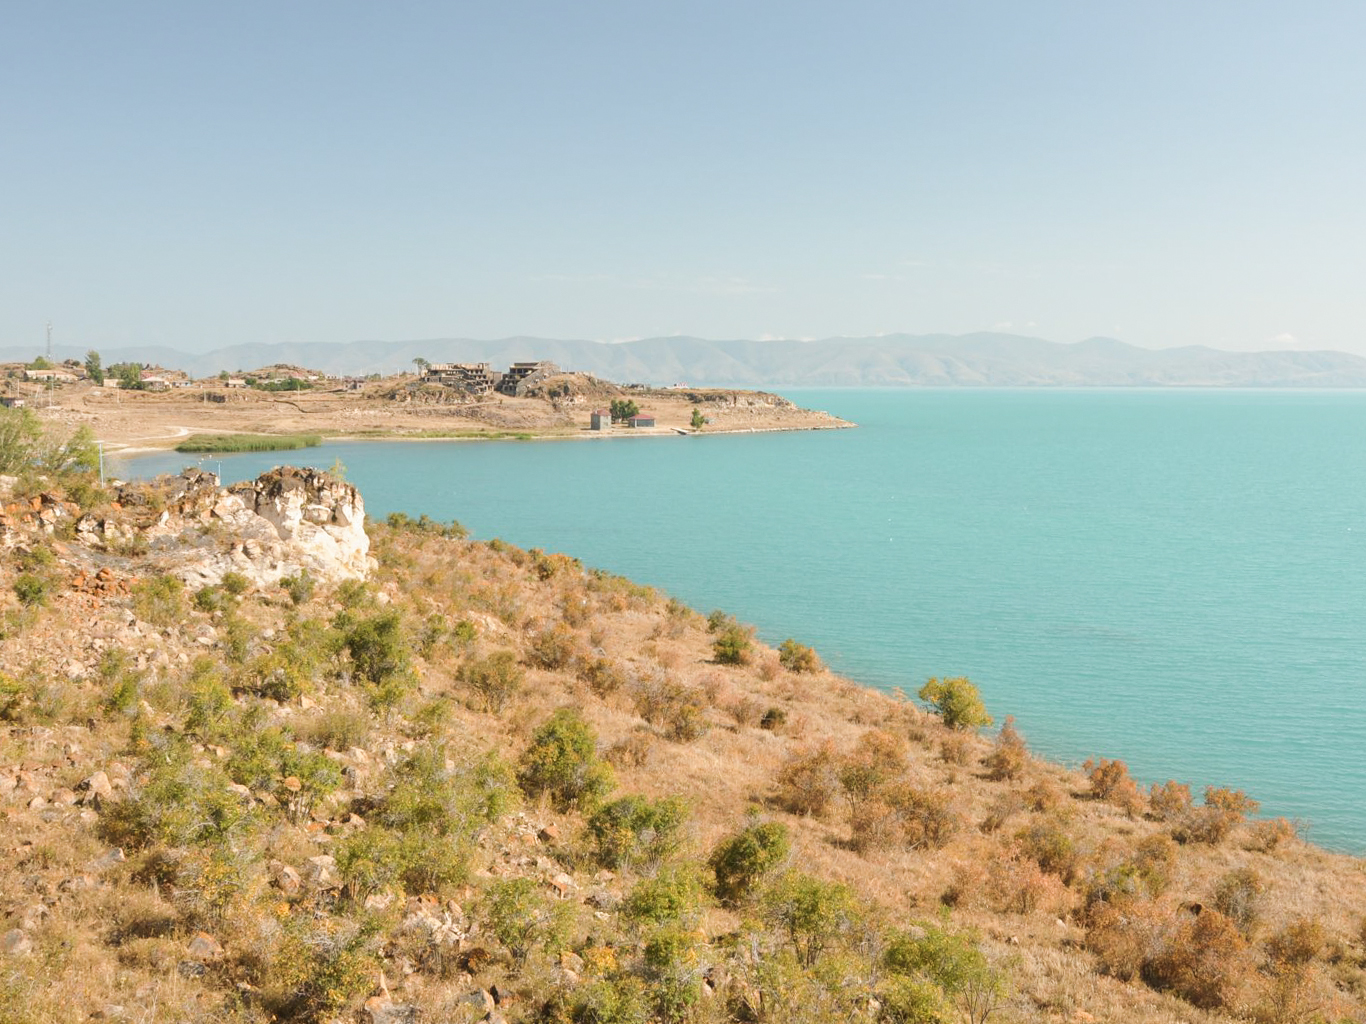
896	360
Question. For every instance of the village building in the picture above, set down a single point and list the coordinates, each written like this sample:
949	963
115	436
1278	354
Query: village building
521	376
474	378
641	420
12	402
54	375
600	420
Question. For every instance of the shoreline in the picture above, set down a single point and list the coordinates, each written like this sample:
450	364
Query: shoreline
588	435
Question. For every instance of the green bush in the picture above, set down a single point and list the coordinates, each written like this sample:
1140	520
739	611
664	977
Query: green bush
672	895
208	598
733	645
235	584
318	969
812	913
181	803
718	620
158	600
299	587
422	831
957	702
31	589
562	762
522	917
742	862
951	962
635	830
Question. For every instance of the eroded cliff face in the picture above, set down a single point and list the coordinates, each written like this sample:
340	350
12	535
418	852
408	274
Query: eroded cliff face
284	522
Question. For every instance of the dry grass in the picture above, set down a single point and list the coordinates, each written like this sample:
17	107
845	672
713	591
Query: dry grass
875	793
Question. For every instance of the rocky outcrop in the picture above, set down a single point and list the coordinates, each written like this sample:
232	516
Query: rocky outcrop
283	522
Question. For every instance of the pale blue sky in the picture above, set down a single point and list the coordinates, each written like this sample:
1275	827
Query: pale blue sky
199	174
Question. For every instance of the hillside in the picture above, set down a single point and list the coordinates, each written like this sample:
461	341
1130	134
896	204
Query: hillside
268	760
896	360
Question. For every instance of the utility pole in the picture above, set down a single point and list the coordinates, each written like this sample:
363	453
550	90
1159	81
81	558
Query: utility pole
49	341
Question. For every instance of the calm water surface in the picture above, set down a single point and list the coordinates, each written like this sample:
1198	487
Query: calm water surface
1174	578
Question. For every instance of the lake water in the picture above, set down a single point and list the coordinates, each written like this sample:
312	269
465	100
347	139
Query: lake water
1174	578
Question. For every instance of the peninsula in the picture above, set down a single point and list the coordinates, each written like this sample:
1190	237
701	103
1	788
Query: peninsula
147	407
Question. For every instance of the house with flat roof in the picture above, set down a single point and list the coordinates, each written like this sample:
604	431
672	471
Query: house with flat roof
641	420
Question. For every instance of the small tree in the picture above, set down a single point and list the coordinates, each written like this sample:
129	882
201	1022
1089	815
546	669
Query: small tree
742	861
623	409
797	657
698	420
93	367
421	365
957	702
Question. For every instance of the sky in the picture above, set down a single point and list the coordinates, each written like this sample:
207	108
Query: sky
1166	173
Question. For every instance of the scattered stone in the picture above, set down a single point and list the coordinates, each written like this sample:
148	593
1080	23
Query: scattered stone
204	947
190	969
97	787
548	834
62	798
108	859
384	1011
16	942
481	1000
321	872
287	879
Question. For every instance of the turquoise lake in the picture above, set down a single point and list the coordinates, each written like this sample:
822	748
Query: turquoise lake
1174	578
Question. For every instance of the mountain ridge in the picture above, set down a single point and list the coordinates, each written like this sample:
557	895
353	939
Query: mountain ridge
980	359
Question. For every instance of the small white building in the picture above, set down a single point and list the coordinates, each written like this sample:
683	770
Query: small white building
56	376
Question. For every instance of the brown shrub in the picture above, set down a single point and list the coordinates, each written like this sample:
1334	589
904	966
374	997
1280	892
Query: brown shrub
603	677
874	825
673	707
1207	962
901	815
955	748
553	648
1297	944
1110	781
1017	885
1238	896
1048	844
1169	800
1266	836
1044	796
878	758
1208	825
746	711
1231	801
928	818
1126	935
1155	861
769	668
809	782
1003	808
575	609
632	751
1009	756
